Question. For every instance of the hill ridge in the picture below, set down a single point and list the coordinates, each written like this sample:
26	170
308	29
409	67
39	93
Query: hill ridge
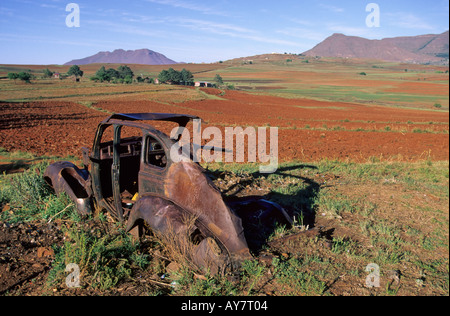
120	56
428	48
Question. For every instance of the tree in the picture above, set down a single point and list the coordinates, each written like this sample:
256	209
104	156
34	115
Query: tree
25	76
75	71
48	73
112	73
100	75
125	71
163	76
187	78
176	77
13	76
106	75
128	79
218	79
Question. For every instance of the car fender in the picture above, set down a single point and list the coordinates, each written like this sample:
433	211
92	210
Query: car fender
162	215
172	222
187	184
65	177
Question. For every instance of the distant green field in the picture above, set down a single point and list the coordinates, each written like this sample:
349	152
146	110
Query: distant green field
290	76
355	94
340	81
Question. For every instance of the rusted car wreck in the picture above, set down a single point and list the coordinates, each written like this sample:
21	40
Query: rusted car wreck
137	182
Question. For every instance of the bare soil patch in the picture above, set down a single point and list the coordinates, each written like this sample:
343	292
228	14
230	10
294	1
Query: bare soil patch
25	256
308	130
47	128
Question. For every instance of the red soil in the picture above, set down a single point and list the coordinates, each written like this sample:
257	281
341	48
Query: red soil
47	128
62	128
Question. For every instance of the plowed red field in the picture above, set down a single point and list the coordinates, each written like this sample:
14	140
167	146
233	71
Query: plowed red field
308	130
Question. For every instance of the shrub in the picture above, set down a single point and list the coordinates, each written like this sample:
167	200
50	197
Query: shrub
13	76
25	76
48	73
27	193
128	79
104	259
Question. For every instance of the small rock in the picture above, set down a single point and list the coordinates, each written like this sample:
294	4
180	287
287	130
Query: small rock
45	252
419	282
37	266
173	267
200	277
394	275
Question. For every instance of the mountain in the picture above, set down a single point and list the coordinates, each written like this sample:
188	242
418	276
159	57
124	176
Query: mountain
120	56
431	48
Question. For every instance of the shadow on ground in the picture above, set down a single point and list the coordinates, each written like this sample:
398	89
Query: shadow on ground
299	205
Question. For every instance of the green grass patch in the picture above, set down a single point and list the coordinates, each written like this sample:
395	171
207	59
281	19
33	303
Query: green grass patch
104	259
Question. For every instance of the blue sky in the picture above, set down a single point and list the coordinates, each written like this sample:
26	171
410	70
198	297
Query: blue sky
35	32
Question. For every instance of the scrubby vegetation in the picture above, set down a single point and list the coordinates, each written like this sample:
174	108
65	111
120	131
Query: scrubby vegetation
391	214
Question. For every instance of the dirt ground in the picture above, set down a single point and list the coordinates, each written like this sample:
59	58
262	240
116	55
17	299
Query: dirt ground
308	130
25	254
26	257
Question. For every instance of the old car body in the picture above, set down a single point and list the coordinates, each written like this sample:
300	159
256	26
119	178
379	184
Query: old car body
136	181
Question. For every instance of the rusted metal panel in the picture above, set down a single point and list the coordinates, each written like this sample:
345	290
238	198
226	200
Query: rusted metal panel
168	195
67	178
188	185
